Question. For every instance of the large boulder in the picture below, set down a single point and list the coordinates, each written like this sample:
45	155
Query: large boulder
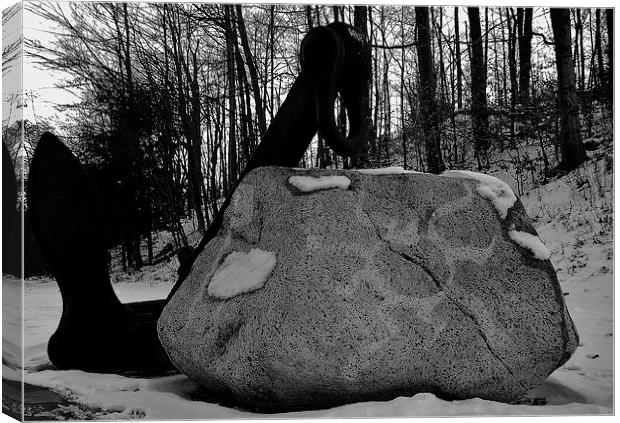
326	287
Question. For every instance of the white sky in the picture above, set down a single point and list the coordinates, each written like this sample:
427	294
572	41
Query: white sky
12	80
41	82
36	82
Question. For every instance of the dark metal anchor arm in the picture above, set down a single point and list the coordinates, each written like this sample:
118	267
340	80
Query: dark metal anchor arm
336	59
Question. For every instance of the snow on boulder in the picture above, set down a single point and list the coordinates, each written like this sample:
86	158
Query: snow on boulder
242	272
530	242
400	284
493	189
391	170
311	183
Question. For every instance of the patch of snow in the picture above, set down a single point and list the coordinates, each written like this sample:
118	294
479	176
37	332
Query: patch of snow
311	183
574	215
242	272
84	382
391	170
163	398
530	242
12	328
169	398
493	189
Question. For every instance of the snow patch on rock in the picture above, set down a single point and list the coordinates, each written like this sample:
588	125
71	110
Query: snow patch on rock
391	170
531	242
241	273
311	183
493	189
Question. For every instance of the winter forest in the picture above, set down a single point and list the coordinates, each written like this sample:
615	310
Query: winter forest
165	103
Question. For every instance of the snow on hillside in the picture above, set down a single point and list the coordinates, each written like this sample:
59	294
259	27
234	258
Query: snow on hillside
574	218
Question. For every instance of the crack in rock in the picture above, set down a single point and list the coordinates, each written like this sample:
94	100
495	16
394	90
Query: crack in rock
419	262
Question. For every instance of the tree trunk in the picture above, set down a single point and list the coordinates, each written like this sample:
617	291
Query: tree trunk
512	64
599	51
609	13
387	115
504	78
402	88
375	149
272	42
245	112
579	61
317	12
480	121
197	175
428	104
232	100
496	68
442	66
486	39
250	62
361	160
525	57
309	16
582	57
459	68
571	145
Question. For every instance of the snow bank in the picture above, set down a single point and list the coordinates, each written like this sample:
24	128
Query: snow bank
170	398
531	242
493	189
241	273
311	183
123	398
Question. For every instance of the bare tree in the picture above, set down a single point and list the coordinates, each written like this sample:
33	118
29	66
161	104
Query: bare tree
459	68
571	145
609	14
361	159
428	103
478	91
251	64
232	95
525	56
185	50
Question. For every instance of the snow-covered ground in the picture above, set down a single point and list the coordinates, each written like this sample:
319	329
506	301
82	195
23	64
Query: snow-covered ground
574	218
